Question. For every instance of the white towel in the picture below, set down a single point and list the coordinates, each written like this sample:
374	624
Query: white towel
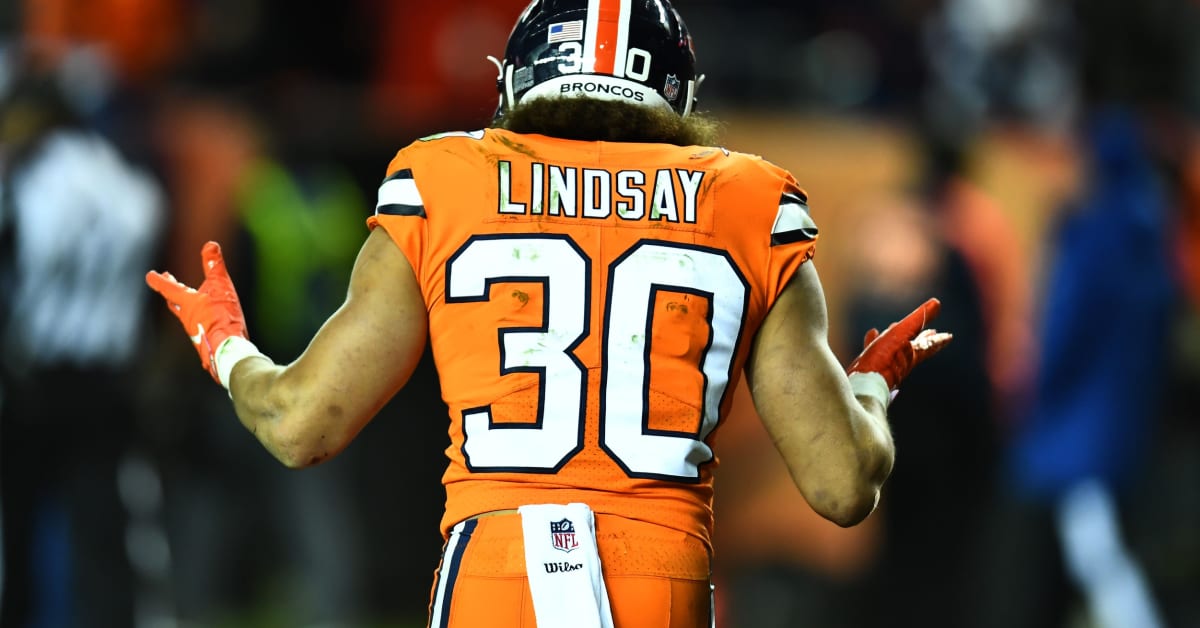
563	564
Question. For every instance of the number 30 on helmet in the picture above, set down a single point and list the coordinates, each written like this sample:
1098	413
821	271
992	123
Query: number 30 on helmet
635	51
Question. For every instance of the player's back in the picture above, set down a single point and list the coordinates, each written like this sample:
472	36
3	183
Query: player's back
591	305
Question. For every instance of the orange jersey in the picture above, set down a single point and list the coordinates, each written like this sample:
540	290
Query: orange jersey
591	306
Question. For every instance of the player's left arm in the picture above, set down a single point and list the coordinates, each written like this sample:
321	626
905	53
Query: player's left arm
310	410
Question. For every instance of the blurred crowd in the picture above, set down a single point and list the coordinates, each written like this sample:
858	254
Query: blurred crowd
1035	164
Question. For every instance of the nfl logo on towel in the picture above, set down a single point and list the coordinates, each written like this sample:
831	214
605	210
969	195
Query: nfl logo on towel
562	535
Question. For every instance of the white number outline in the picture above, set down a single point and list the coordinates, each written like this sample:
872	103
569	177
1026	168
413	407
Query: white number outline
715	367
698	452
507	431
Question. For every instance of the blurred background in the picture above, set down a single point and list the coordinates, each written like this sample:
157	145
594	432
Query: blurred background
1033	163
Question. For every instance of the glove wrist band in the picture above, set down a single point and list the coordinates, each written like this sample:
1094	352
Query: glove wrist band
232	350
871	384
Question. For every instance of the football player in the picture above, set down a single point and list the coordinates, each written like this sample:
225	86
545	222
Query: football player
594	278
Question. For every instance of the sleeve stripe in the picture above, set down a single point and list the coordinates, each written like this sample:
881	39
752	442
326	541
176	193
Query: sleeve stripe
791	237
793	197
399	196
405	173
792	223
396	209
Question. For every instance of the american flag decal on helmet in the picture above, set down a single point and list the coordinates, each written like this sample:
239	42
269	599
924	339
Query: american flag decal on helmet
565	31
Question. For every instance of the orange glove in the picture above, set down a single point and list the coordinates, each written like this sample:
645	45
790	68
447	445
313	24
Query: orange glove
211	314
903	345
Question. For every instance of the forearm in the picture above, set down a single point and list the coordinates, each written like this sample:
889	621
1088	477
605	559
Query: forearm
261	408
857	471
874	441
837	447
873	397
860	454
272	406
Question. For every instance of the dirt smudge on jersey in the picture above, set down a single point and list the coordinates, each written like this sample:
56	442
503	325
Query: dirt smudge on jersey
517	146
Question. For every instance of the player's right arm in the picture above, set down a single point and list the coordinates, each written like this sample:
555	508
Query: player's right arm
309	410
832	434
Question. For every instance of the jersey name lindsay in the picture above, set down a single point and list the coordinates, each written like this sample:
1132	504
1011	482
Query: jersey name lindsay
665	194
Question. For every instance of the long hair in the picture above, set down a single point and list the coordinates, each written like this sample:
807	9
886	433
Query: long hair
590	119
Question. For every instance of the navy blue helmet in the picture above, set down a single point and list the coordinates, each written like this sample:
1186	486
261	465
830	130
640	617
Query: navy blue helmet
635	51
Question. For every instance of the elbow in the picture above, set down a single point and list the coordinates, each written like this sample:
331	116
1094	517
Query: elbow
856	511
303	450
296	423
849	498
300	459
297	445
846	510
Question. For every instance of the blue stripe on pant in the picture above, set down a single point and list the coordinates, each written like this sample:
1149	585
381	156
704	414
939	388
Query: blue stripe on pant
456	546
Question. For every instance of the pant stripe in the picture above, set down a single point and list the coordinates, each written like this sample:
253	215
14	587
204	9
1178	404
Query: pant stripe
456	546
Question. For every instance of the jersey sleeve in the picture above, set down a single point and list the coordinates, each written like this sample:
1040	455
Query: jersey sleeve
793	235
400	210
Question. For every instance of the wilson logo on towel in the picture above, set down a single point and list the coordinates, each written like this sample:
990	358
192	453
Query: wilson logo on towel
562	535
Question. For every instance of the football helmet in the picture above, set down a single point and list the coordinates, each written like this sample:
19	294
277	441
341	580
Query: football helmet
635	51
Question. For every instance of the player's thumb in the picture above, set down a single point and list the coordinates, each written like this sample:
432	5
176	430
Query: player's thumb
870	337
163	284
214	262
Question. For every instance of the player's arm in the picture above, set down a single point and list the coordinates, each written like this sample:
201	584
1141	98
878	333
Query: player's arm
311	409
831	429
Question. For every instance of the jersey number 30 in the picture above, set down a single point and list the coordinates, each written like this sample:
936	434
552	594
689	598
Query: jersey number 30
634	279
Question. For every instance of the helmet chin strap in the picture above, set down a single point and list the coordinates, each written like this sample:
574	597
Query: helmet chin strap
693	89
503	82
499	66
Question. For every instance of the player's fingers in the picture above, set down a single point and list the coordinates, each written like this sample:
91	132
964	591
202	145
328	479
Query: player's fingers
170	289
912	324
166	285
929	311
214	262
929	342
925	339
